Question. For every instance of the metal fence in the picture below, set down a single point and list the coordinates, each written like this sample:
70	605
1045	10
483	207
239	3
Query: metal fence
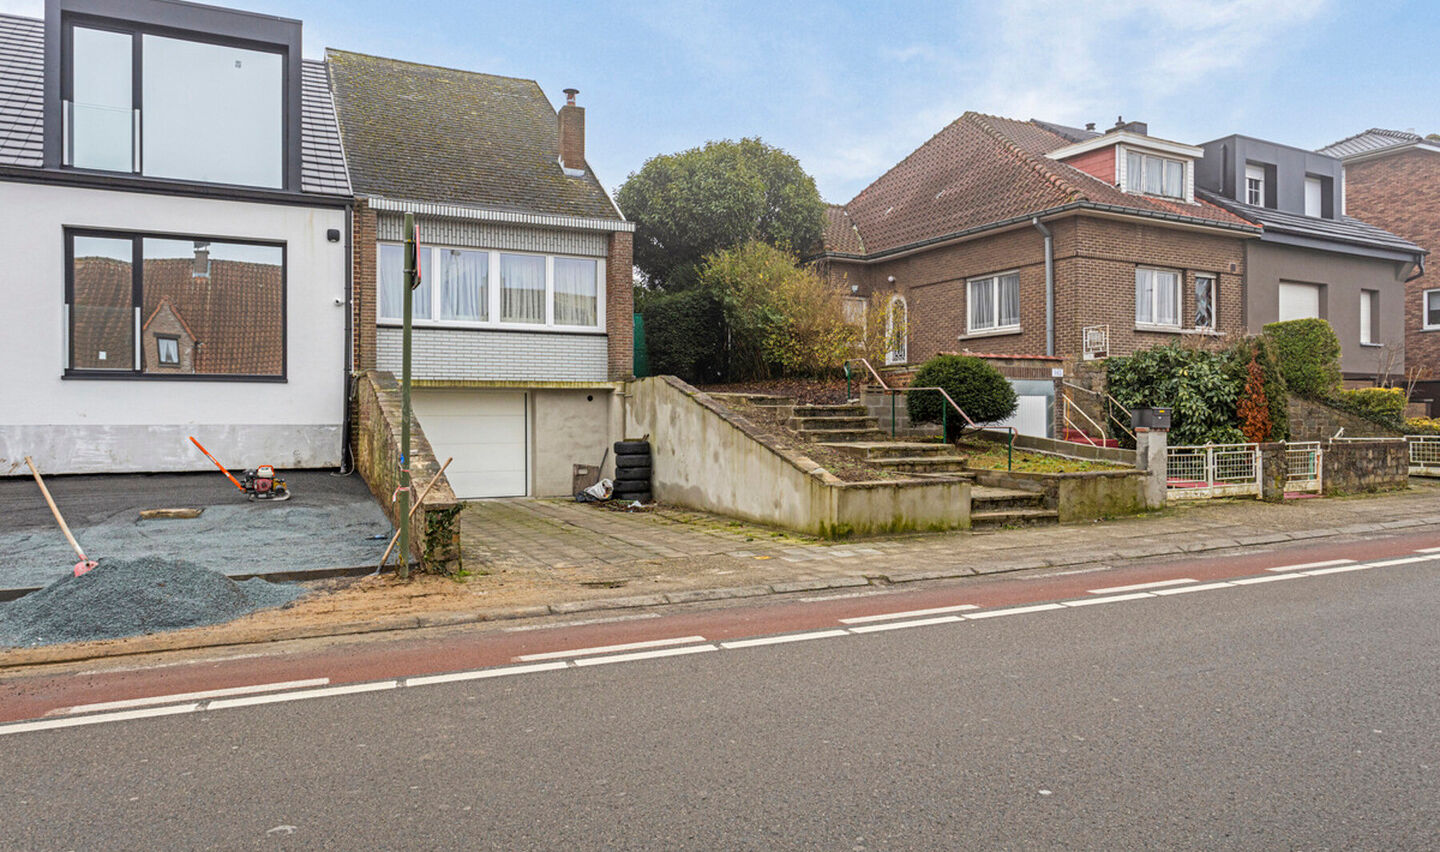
1424	455
1302	466
1212	470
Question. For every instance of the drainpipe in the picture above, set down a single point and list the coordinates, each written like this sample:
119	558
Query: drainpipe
1049	286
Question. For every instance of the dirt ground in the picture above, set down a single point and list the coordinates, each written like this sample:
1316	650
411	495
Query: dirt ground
804	391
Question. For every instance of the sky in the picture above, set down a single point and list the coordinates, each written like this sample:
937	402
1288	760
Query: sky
851	88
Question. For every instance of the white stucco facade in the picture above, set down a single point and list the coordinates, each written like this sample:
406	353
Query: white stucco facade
89	425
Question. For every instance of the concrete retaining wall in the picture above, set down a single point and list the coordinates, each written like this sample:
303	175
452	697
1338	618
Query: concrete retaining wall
707	457
1069	449
1084	496
1315	421
435	529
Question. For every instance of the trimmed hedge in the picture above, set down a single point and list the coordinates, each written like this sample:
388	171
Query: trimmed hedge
975	385
683	334
1309	356
1382	405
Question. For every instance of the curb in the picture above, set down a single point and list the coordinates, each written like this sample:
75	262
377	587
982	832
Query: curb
20	658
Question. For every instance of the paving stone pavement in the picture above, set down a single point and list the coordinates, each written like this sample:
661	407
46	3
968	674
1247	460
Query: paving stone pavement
598	546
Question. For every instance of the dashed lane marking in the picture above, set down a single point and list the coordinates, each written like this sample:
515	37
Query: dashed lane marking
1428	550
189	696
455	677
1135	587
887	616
901	625
782	639
1203	587
77	721
1134	596
1303	565
327	692
644	655
1019	610
1265	578
610	649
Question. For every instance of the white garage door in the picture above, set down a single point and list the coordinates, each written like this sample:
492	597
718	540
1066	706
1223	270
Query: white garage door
484	432
1030	417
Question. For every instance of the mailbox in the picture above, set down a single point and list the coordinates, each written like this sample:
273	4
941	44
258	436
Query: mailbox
1150	418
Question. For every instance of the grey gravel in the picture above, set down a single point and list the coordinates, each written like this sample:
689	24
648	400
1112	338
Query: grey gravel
130	597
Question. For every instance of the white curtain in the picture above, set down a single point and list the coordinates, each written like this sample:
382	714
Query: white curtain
464	293
1010	300
391	275
575	299
522	288
1144	296
982	305
1167	309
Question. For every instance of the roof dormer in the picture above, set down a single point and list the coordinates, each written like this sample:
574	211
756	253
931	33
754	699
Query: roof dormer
1126	156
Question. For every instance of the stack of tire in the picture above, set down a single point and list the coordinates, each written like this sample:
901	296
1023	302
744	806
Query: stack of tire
632	471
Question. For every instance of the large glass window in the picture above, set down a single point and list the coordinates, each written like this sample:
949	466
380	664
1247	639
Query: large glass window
212	113
897	331
205	112
100	114
177	306
464	285
994	302
575	291
1157	297
1432	308
1205	302
522	288
1153	175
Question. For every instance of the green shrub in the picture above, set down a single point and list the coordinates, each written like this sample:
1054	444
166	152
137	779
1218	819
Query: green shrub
1200	387
1383	405
1422	426
974	384
1309	356
682	334
1272	388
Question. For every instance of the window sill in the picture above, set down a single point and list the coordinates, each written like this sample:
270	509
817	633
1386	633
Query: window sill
1372	345
991	332
131	376
1203	332
1431	328
533	328
1159	329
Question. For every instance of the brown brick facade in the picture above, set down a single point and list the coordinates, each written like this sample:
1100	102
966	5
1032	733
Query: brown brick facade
1401	193
620	305
362	290
1095	262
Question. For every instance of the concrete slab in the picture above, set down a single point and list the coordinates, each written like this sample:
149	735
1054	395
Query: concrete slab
327	524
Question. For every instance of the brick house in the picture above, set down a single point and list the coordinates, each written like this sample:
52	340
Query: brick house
1312	260
523	322
174	218
1029	238
1392	179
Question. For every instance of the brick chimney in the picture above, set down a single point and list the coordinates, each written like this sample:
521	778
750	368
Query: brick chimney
572	133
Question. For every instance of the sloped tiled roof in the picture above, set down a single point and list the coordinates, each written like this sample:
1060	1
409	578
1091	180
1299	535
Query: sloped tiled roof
424	133
22	99
1069	134
840	233
22	90
1340	229
1374	139
984	170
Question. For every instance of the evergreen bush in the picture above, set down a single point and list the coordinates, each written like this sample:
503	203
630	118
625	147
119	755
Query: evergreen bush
975	385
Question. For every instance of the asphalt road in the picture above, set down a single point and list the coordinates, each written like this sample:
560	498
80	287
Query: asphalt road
1277	715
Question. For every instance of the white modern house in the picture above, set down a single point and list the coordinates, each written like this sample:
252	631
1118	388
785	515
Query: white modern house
174	241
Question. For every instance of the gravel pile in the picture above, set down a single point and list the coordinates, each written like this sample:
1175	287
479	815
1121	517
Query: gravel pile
129	597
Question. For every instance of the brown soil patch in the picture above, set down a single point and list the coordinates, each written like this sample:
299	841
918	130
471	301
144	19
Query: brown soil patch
804	391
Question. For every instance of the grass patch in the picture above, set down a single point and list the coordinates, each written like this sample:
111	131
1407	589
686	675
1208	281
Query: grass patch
991	455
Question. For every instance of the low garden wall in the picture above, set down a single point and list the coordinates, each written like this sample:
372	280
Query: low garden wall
1353	467
707	457
1069	449
435	528
1085	496
1311	420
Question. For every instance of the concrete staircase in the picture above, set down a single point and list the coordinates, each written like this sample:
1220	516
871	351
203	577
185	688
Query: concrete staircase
1009	507
915	458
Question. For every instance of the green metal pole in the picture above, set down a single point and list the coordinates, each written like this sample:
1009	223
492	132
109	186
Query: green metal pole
847	382
1010	452
945	423
410	256
893	394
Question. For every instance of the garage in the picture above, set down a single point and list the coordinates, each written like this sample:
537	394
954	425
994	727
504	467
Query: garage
484	432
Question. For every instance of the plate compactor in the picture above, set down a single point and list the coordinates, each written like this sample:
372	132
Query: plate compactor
258	483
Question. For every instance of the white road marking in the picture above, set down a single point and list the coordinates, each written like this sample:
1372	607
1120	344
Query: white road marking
349	689
1336	569
610	649
76	721
1203	587
1304	565
1110	599
1135	587
901	625
454	677
644	655
1019	610
887	616
1428	550
1267	578
189	696
1406	561
780	640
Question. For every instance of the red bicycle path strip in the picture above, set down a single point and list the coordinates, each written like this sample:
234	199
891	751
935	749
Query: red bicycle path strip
30	697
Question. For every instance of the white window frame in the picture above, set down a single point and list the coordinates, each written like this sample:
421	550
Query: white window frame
993	282
1425	310
430	265
1257	174
1135	183
1214	300
898	354
1369	314
1319	186
1152	324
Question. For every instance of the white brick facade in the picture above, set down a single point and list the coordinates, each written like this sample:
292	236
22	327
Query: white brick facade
440	354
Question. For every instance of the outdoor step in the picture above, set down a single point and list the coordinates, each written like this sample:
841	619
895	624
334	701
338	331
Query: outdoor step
990	500
849	410
1014	518
765	399
842	436
923	464
801	423
875	450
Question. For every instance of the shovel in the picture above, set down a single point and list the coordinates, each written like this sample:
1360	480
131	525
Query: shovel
85	563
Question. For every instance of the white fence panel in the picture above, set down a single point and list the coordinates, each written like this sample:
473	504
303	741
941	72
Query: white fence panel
1303	466
1212	470
1424	455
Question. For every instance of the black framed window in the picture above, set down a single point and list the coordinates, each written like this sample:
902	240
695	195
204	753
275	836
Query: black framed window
171	306
170	105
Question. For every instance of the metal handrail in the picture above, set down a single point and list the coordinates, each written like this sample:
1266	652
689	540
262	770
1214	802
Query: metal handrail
1106	395
944	424
1065	414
